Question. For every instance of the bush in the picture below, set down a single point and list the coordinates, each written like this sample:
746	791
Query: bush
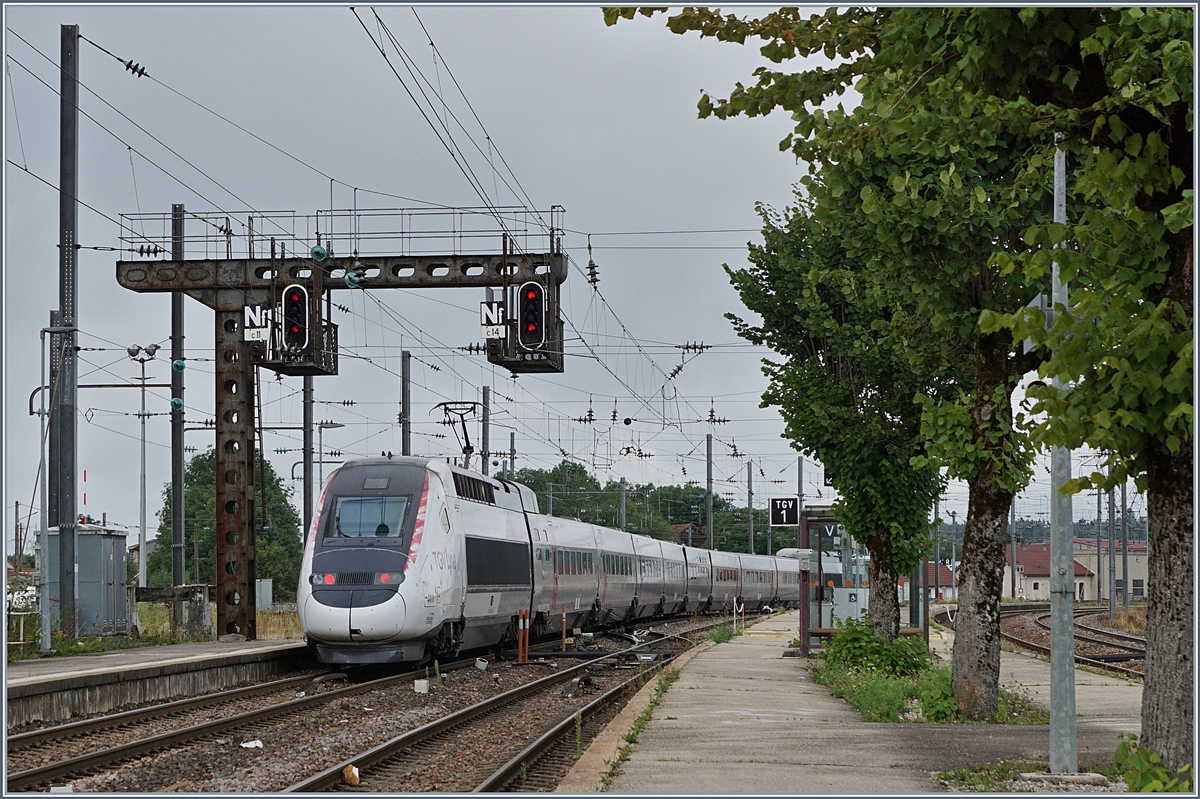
1144	772
856	646
937	696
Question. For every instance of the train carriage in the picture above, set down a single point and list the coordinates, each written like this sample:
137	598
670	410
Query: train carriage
758	581
699	577
726	580
618	561
675	584
651	592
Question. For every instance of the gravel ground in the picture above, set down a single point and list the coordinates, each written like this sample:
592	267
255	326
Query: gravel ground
292	748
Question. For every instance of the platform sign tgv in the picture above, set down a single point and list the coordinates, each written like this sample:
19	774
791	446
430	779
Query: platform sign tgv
785	512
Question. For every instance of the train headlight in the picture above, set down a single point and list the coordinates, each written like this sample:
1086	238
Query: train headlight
322	579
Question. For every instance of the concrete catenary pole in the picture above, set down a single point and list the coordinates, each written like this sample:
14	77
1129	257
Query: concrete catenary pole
708	497
622	503
309	498
483	436
1112	551
750	507
1012	543
1099	546
1064	750
177	363
1124	549
44	528
405	403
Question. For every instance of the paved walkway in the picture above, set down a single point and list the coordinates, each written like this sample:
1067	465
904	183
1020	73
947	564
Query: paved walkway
744	719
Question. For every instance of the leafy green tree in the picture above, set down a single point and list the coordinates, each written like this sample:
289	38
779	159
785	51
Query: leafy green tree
846	397
1117	84
278	543
924	190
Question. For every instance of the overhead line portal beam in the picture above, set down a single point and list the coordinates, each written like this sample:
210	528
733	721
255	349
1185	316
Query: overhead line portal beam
235	283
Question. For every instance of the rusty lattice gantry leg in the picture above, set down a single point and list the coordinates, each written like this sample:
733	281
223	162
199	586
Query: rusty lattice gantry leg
235	478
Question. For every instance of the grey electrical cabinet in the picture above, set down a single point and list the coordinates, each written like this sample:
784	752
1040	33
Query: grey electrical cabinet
100	597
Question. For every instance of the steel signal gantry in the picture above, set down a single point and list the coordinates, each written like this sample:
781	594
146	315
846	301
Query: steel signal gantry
231	286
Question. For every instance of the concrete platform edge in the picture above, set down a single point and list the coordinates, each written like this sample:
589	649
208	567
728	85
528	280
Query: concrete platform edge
585	776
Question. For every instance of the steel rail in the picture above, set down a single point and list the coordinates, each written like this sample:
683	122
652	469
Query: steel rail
1041	622
1045	650
89	762
60	732
332	776
1137	639
532	753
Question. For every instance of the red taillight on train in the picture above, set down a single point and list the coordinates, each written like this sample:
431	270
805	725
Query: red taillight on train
385	578
328	579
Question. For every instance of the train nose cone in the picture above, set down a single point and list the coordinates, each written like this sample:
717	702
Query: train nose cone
377	621
357	616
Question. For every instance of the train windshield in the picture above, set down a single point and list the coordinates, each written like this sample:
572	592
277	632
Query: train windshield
368	517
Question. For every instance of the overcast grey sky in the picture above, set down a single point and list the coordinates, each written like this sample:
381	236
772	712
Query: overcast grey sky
601	121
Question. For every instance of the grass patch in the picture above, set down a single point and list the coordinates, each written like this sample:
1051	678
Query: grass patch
898	682
988	778
722	634
665	680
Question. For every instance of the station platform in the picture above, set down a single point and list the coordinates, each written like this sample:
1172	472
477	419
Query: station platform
744	719
61	688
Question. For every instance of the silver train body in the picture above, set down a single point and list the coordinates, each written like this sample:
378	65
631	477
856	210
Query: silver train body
411	558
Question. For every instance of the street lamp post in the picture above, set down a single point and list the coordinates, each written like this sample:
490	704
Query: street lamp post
136	353
321	449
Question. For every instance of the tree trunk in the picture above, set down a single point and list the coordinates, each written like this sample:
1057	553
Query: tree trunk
1167	717
976	664
884	604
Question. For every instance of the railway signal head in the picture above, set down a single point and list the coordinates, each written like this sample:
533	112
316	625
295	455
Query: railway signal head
531	315
295	316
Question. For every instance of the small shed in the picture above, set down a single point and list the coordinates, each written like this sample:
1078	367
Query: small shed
100	587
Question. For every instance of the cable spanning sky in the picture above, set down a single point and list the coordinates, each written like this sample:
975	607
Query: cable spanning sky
295	110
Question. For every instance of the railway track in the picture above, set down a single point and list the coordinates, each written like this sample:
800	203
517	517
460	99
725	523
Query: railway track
525	739
195	739
1096	655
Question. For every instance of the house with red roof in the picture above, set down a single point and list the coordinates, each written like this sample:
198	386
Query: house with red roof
1033	574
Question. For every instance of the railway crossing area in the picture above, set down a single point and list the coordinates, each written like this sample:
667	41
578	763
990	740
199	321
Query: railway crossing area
744	719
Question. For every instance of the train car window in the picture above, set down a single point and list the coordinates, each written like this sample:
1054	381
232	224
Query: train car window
369	517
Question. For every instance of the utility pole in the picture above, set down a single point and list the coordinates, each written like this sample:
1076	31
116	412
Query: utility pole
1124	549
307	403
953	537
43	524
1012	543
487	414
1064	747
1112	551
750	507
177	366
802	542
1099	548
549	499
63	419
405	403
622	503
708	497
512	455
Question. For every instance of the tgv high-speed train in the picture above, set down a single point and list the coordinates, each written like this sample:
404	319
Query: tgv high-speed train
411	558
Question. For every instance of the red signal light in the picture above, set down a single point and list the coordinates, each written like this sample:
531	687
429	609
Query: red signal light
531	295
